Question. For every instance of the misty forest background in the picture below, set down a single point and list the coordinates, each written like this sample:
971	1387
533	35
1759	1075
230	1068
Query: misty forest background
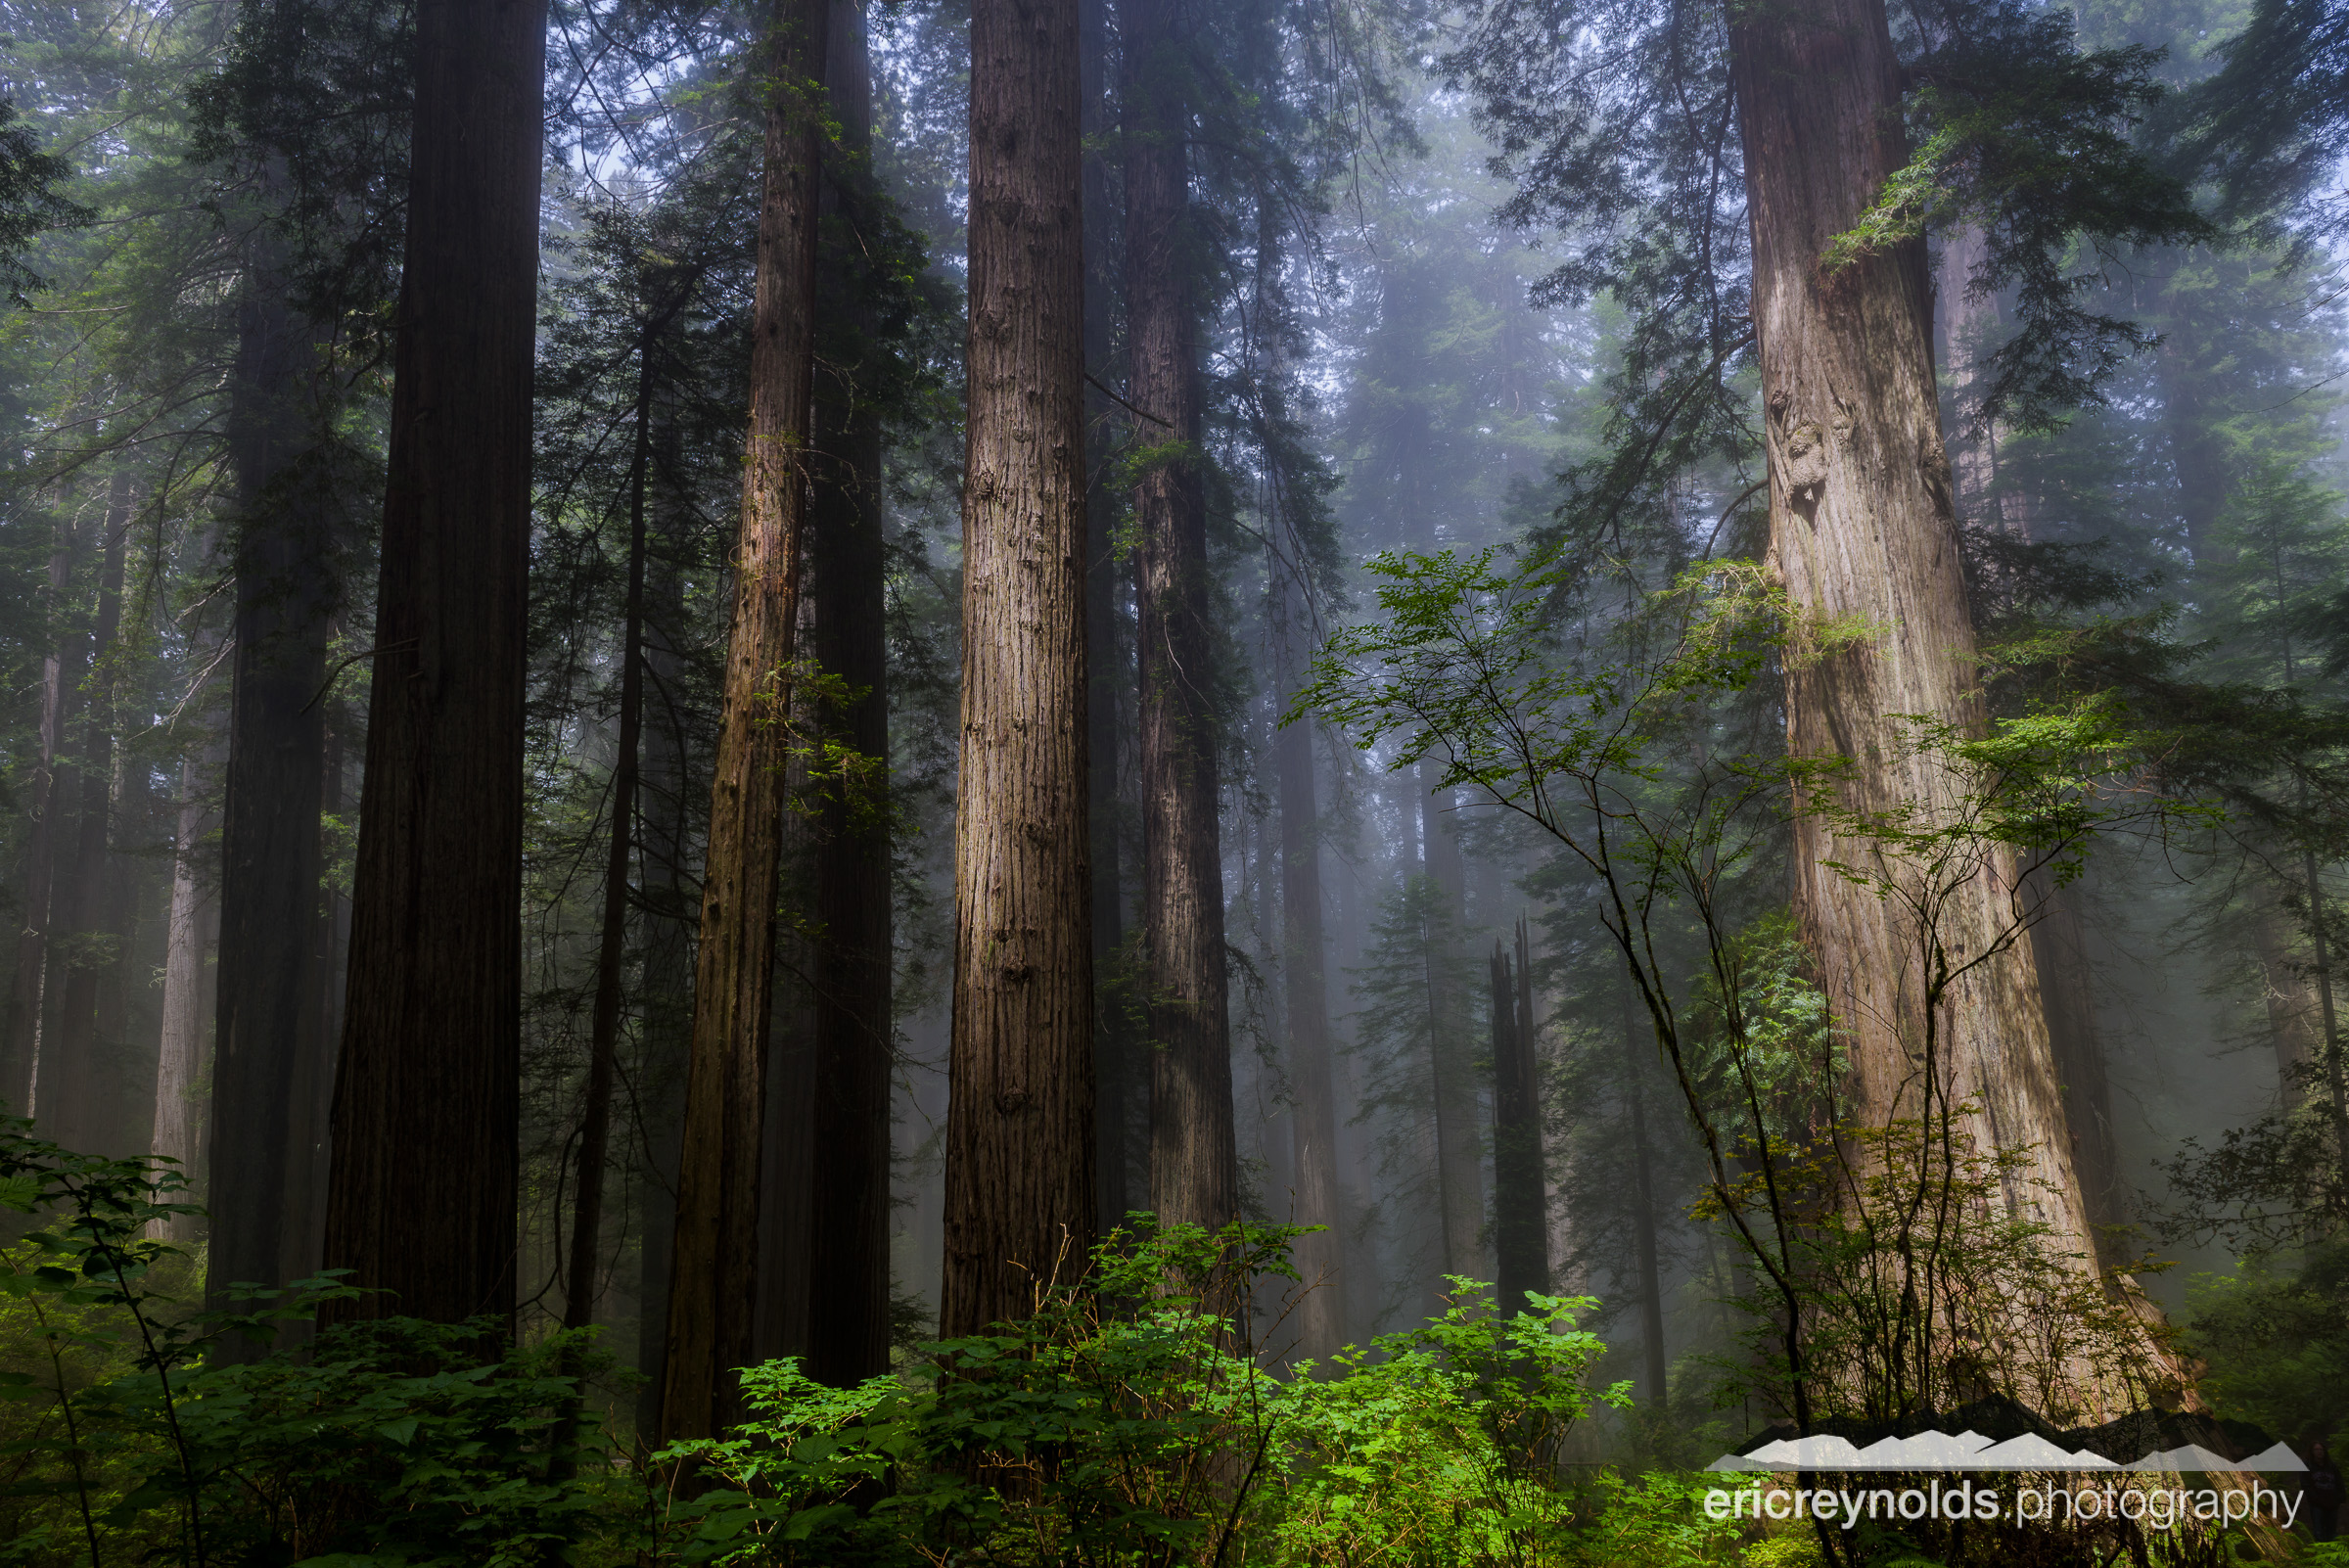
1360	277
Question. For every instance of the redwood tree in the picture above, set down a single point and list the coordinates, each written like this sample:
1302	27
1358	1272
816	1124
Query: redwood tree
423	1191
1020	1134
714	1262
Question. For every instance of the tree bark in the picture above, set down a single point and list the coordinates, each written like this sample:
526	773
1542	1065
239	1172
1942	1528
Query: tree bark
28	1001
1862	525
1020	1128
1320	1256
854	1036
1460	1139
427	1098
714	1267
1644	1239
1520	1190
266	1028
179	1060
70	1109
1194	1157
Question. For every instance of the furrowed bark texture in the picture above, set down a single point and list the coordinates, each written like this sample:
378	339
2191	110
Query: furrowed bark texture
848	1313
714	1263
1862	525
427	1096
1520	1191
266	1019
1194	1154
1320	1257
179	1059
1020	1133
70	1111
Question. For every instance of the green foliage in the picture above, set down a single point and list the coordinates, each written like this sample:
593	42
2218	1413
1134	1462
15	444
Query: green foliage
2274	1337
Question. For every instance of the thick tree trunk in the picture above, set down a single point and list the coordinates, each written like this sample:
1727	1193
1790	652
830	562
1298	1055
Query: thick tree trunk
2060	944
28	999
266	1023
1862	526
854	1038
179	1061
1320	1256
1020	1128
72	1111
1520	1190
1116	1079
427	1096
715	1261
1194	1159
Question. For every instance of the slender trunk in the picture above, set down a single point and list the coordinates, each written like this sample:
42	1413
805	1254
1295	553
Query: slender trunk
1458	1125
713	1265
179	1062
1636	1035
585	1263
1520	1190
309	1140
1862	528
1113	1068
71	1101
1320	1257
1194	1159
427	1096
26	1002
2292	1022
1020	1128
852	1033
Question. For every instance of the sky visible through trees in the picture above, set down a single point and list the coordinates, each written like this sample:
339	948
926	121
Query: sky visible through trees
737	675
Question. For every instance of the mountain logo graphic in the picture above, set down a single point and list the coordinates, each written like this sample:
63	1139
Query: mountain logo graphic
1971	1450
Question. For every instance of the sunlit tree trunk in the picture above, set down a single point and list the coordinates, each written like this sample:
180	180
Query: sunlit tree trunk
427	1098
179	1059
1020	1128
1862	525
715	1256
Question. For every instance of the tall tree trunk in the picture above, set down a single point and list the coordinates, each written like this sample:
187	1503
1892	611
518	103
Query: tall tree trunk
1320	1256
1020	1128
849	1318
584	1265
1194	1158
2060	944
1113	1068
1862	526
713	1265
1644	1249
1520	1191
28	1001
72	1111
265	1029
1459	1133
427	1096
179	1060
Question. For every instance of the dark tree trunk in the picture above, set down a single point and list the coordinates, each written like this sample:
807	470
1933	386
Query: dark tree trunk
1520	1192
1637	1037
714	1268
583	1267
1114	1077
1460	1139
421	1198
29	1002
1020	1127
1194	1158
265	1022
1315	1126
70	1109
2060	944
1862	526
847	1317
